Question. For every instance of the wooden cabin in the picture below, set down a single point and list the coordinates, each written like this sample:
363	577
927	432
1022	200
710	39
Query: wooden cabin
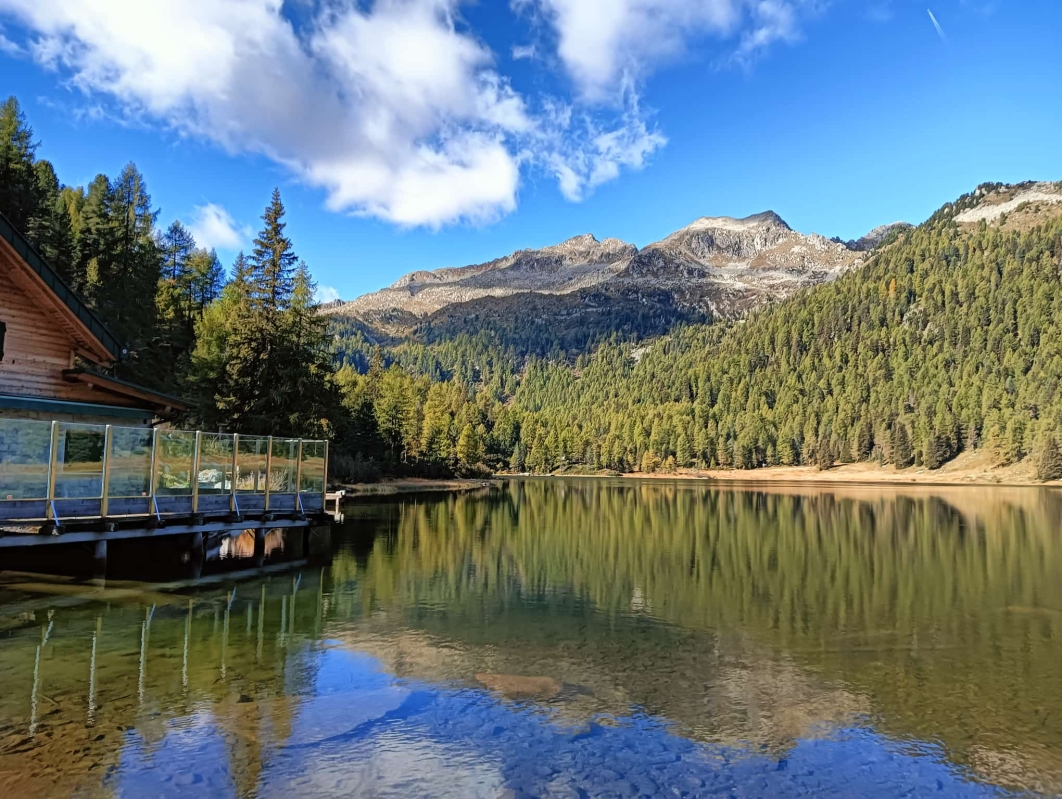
55	351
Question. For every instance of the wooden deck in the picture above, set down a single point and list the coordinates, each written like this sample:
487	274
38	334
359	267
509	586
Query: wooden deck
67	483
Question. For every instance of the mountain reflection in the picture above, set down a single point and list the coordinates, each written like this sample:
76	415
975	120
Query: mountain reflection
753	620
743	615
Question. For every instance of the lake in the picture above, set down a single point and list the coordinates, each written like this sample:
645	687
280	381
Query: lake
568	638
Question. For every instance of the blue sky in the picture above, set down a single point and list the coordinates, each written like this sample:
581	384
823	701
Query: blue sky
416	134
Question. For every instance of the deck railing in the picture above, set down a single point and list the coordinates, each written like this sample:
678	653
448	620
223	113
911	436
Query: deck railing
58	470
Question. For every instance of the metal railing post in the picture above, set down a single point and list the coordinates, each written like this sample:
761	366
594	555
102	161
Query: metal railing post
269	468
108	442
153	480
324	488
53	454
196	456
232	478
298	474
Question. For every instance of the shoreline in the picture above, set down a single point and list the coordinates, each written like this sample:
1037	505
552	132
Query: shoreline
968	469
413	485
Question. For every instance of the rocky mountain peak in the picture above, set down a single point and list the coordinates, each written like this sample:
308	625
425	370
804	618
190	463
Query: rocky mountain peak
719	238
722	265
766	219
585	248
876	236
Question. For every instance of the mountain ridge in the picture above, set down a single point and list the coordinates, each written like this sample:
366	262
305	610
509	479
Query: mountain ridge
714	268
715	265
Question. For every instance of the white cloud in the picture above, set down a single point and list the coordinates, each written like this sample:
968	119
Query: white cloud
393	111
773	21
583	154
212	226
600	41
327	294
392	107
8	47
603	43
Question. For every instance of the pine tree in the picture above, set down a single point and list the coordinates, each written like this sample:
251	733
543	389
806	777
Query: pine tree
1049	462
206	278
682	451
393	408
307	363
273	261
937	451
18	181
864	445
902	451
176	246
50	228
259	397
127	263
517	461
826	455
469	448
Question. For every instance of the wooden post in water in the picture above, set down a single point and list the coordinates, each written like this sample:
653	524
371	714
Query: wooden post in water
99	558
197	554
92	671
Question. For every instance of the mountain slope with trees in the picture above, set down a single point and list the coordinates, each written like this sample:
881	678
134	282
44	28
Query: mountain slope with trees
948	340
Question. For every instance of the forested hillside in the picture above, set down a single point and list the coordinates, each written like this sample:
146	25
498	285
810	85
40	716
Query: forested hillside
949	339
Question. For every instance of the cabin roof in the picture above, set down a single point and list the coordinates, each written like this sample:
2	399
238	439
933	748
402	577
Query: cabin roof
40	280
163	403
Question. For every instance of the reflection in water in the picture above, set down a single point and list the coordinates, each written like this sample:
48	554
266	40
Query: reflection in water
242	545
570	638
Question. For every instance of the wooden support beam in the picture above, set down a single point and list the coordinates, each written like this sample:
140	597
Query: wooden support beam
12	541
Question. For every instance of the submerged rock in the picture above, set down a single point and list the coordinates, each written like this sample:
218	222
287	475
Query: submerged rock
515	686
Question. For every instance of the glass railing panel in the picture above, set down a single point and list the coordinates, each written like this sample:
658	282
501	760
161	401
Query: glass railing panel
312	474
215	463
282	465
129	466
173	463
79	461
25	452
251	464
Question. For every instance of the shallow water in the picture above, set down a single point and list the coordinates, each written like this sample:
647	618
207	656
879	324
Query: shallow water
569	638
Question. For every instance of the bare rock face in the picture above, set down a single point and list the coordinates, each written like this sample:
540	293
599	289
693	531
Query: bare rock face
726	265
993	202
721	239
716	265
578	263
877	236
